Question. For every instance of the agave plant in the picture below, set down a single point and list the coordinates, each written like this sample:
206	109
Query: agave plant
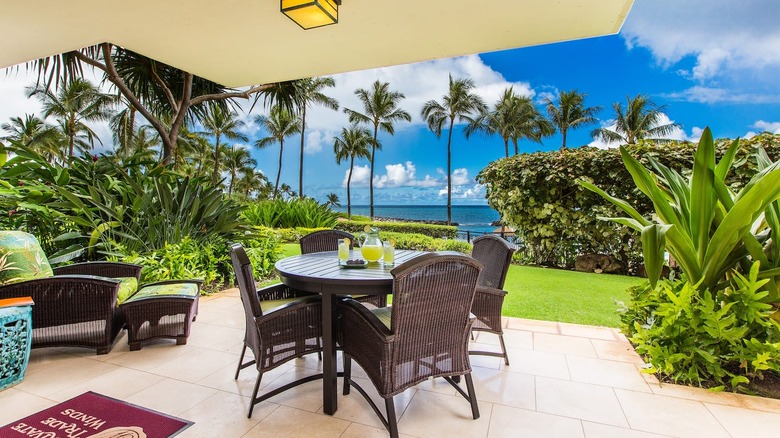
704	225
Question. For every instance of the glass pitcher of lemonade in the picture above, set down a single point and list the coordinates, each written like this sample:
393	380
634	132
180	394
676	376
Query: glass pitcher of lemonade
370	244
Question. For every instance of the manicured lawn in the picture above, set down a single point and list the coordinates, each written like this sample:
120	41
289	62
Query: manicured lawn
555	295
565	296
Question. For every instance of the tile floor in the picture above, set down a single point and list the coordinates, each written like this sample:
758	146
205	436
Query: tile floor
564	380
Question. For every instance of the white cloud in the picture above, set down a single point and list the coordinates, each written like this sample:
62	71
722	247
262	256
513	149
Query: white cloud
360	176
460	177
704	94
773	127
722	35
314	142
676	134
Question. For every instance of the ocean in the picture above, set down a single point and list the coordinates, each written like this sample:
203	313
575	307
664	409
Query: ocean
469	217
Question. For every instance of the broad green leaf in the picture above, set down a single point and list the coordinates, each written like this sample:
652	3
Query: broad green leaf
653	244
702	193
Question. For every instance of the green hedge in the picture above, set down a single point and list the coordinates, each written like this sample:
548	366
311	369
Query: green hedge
437	231
557	219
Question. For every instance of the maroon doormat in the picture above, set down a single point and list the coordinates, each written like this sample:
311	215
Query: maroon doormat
97	416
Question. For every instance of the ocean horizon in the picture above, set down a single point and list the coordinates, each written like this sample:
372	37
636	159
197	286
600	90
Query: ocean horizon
468	217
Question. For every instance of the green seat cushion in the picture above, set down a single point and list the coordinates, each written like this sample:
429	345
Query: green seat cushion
385	315
163	290
21	258
127	287
267	305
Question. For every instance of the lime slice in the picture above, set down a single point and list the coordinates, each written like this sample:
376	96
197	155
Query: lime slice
347	241
367	228
392	241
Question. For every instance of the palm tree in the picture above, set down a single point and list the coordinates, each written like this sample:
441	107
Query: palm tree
237	159
145	143
252	181
640	120
309	92
380	110
354	142
568	111
76	103
280	124
512	117
221	123
459	103
333	200
34	133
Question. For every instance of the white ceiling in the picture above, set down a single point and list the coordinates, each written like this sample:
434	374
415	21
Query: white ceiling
243	42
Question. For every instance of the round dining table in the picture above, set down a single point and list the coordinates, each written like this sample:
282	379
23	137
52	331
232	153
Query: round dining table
321	273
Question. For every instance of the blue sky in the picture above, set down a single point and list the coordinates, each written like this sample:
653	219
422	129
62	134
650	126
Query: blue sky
709	63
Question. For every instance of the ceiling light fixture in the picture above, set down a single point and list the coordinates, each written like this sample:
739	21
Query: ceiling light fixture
311	13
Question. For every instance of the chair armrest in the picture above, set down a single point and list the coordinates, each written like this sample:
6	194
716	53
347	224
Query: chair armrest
360	311
198	281
281	291
314	299
101	269
486	290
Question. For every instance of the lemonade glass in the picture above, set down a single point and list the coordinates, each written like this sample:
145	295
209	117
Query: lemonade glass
388	253
343	250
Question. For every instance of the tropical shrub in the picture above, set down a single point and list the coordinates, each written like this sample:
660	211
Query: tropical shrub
421	242
436	231
722	340
292	213
556	218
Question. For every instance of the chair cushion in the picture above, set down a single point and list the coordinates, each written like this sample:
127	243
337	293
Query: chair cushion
21	258
385	315
268	305
165	290
127	287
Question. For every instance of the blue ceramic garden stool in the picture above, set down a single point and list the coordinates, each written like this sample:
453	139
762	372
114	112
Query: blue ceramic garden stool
15	342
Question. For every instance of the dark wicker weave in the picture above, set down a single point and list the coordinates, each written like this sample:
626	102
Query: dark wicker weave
428	335
327	240
279	335
495	254
163	316
75	310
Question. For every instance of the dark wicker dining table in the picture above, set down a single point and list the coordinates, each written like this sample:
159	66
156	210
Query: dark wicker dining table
320	273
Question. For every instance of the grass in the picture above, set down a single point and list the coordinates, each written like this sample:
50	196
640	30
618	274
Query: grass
554	294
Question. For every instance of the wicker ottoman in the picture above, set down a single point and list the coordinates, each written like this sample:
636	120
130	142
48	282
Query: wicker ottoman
15	339
161	310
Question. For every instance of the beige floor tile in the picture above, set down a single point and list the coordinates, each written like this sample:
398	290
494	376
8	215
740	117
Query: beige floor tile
223	379
354	408
606	373
596	430
61	374
195	364
356	430
437	385
587	331
225	301
616	350
290	422
224	415
668	415
512	338
119	383
568	345
619	335
510	389
150	356
432	414
507	422
307	397
18	404
579	400
171	396
217	337
483	361
698	394
532	325
232	318
539	363
759	403
744	423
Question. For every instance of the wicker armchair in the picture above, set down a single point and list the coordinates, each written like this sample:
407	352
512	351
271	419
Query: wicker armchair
495	254
281	325
424	334
327	240
75	305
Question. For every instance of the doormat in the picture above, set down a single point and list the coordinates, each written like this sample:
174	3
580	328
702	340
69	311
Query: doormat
92	415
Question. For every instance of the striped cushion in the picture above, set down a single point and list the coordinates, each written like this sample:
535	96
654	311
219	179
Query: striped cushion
21	258
385	315
163	290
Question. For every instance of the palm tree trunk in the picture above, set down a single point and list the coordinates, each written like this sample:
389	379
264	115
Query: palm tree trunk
232	178
279	172
514	141
349	180
449	173
371	176
506	147
563	133
215	174
300	170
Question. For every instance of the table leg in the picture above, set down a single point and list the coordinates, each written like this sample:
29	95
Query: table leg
329	365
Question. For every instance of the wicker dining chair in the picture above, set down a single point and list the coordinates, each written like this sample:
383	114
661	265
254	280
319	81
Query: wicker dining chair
328	240
423	335
495	254
281	325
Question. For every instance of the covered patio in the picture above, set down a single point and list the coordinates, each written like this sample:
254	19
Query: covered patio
563	380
